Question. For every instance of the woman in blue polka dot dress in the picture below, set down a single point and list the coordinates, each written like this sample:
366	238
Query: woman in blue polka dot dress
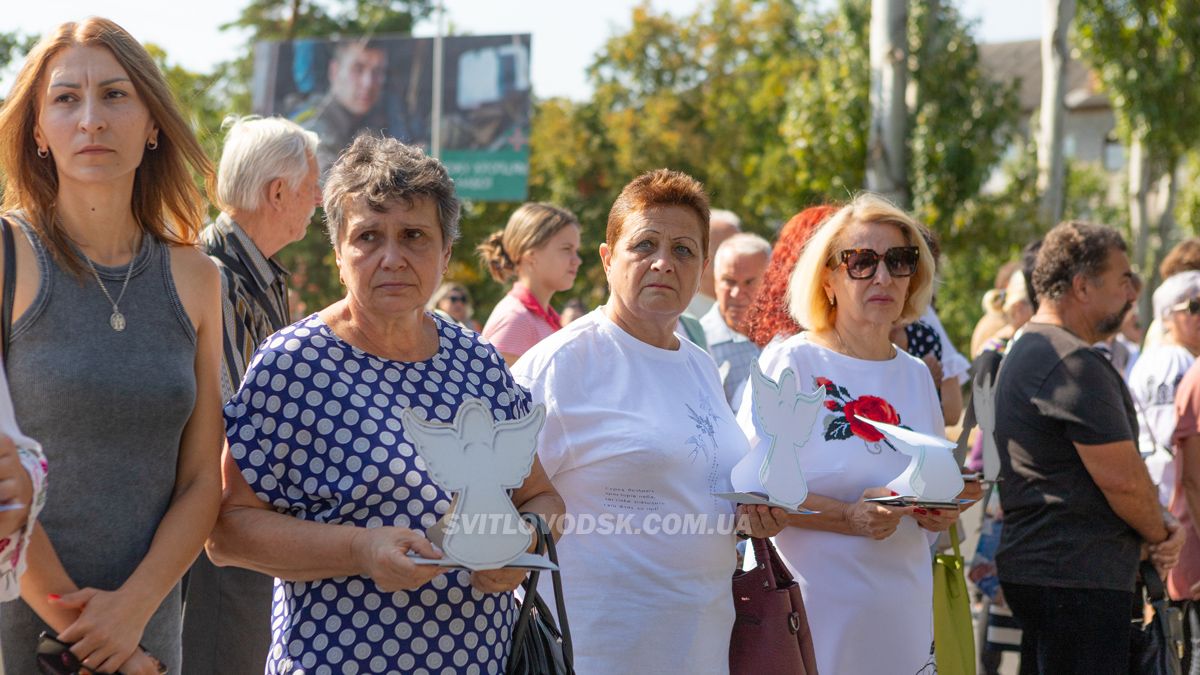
323	489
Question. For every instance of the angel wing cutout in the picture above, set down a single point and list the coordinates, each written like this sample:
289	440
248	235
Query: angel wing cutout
932	472
479	459
983	397
422	434
786	418
516	447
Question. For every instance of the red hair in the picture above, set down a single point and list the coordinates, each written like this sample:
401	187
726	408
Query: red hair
661	187
769	315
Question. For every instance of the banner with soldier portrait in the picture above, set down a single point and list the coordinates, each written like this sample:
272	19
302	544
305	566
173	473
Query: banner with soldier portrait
341	87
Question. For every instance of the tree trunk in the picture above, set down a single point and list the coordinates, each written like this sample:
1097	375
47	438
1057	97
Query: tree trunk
933	45
1139	214
1052	166
887	156
1168	192
293	21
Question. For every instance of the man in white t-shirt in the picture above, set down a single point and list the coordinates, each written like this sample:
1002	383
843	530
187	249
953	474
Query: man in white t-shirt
1157	373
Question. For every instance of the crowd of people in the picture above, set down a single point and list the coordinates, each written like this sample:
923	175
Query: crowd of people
202	482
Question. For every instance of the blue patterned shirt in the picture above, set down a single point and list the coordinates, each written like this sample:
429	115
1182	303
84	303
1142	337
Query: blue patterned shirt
316	431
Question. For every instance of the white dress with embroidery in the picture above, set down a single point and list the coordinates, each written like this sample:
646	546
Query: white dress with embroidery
636	439
869	602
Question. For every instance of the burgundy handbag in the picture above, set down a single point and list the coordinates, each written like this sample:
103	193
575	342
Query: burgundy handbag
770	632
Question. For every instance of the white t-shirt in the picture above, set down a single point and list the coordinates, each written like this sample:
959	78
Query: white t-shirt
636	439
1152	383
870	603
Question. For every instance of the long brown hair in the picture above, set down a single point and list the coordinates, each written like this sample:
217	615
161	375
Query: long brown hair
166	202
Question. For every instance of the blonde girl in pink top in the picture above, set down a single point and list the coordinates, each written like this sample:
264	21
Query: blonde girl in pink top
539	247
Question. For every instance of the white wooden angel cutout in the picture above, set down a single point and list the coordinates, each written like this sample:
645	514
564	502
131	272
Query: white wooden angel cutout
785	418
932	474
983	397
479	459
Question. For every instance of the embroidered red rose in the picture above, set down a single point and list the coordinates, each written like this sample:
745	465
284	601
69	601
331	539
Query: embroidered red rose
831	404
872	408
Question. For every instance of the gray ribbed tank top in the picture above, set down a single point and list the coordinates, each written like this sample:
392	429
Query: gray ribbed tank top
109	408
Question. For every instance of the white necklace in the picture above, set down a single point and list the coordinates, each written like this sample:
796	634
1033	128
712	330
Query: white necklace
117	319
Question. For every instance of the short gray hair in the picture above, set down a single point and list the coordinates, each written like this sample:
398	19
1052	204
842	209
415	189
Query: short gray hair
383	170
257	151
725	216
743	243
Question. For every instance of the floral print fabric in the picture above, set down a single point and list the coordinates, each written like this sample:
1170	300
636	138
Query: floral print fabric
12	548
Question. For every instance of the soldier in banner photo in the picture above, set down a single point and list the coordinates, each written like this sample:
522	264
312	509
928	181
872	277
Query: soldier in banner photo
352	102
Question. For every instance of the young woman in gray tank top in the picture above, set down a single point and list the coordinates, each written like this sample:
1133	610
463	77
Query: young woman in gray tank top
115	349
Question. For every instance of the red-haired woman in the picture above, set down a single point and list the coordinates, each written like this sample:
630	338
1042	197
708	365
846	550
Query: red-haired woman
769	316
638	436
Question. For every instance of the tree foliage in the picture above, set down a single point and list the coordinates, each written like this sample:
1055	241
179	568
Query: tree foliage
1146	53
767	103
962	122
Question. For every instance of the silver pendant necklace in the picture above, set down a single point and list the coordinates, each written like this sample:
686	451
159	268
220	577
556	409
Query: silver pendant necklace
117	319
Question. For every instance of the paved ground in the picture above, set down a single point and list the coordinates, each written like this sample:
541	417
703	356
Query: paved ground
970	525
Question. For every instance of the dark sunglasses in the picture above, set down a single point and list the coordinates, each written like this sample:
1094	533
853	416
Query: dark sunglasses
1191	306
457	298
862	263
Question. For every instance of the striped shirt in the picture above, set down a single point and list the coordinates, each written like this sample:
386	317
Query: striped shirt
254	300
733	352
512	327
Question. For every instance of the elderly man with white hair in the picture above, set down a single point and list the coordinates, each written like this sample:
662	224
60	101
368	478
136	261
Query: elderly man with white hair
738	269
722	224
1157	373
267	189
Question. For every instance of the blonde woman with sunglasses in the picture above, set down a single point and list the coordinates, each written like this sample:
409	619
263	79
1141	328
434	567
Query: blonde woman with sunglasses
864	568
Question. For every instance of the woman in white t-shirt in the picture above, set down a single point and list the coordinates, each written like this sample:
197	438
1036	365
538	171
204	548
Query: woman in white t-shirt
1156	374
864	568
637	438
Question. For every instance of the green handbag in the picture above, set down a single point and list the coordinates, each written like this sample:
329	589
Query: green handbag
953	633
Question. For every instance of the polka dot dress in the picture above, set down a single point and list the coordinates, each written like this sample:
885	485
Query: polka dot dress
922	340
315	429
